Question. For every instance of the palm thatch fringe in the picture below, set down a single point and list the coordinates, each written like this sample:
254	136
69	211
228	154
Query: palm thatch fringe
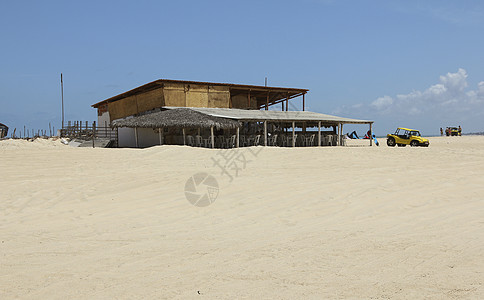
180	117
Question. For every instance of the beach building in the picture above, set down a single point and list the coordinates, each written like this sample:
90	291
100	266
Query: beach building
217	115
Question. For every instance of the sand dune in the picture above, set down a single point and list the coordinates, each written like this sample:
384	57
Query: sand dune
330	222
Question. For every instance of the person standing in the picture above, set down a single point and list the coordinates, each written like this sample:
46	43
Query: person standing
460	131
441	131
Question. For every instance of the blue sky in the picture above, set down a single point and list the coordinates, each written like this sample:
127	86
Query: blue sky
400	63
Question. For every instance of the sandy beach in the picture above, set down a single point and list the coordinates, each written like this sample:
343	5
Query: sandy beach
304	223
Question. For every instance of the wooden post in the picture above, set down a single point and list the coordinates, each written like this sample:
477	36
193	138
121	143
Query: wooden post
287	101
319	133
265	133
159	135
213	137
282	102
293	134
267	101
184	139
303	101
136	136
93	133
371	136
237	140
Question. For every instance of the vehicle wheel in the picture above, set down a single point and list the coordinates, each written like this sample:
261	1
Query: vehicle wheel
391	142
413	143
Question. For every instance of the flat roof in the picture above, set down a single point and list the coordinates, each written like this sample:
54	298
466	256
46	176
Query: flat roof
273	115
282	92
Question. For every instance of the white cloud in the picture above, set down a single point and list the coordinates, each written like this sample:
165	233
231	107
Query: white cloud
382	103
449	93
449	101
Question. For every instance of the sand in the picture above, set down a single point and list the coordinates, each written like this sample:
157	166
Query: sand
312	223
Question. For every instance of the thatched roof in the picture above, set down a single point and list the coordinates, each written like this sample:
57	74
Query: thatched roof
180	117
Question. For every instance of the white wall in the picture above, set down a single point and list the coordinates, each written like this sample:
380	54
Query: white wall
147	137
126	137
104	121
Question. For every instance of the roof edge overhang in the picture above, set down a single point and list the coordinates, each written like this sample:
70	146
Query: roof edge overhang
157	83
218	112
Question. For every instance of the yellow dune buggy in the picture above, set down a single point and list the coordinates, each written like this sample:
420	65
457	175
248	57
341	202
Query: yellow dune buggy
405	136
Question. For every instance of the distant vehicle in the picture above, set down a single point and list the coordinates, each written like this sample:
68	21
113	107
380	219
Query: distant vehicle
405	136
452	131
3	130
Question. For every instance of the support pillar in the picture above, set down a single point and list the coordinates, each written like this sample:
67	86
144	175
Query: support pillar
212	137
319	133
159	135
184	138
303	101
340	135
371	136
267	101
237	140
287	101
265	133
136	136
293	134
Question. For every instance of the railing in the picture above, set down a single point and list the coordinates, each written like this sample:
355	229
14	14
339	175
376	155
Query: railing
84	131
